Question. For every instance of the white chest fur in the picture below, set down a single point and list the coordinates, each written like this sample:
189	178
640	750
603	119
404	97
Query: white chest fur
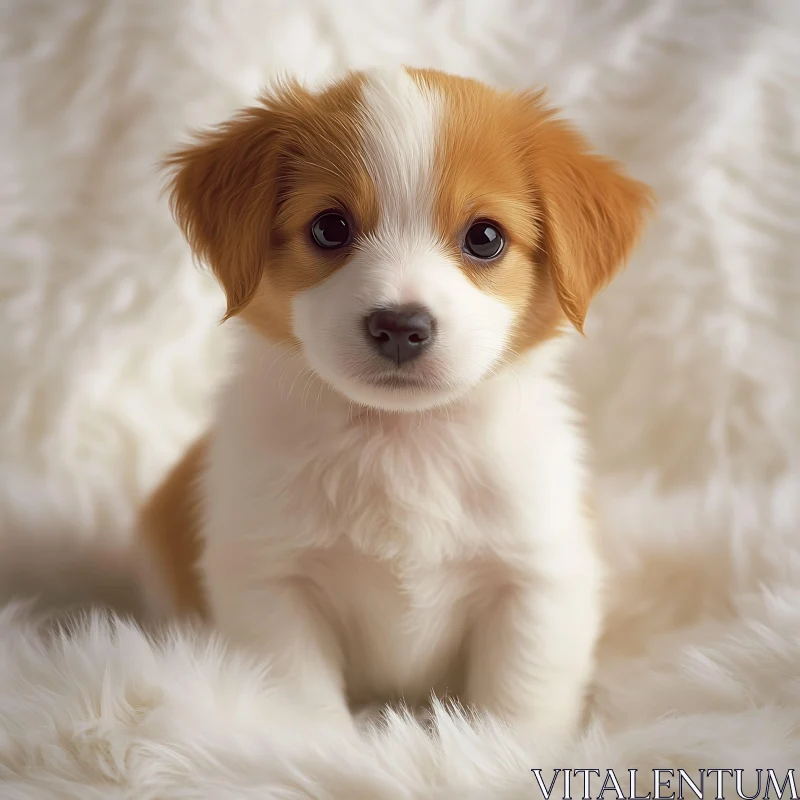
401	531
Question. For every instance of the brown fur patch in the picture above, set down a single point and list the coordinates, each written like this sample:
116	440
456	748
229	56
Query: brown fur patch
168	526
569	217
245	195
591	213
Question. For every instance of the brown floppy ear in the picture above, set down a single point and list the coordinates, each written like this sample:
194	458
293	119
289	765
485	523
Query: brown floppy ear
590	212
223	193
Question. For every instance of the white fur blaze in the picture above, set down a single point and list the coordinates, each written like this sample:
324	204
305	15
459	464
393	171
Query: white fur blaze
401	120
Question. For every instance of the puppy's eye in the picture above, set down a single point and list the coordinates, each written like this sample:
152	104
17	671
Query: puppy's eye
330	230
484	241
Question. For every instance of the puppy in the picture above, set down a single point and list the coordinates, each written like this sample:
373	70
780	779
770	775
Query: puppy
392	500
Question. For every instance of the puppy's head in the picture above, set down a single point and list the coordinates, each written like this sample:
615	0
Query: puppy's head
411	231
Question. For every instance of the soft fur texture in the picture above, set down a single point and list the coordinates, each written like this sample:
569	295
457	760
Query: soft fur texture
689	377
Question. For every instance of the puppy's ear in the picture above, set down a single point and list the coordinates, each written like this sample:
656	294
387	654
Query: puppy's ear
223	194
590	212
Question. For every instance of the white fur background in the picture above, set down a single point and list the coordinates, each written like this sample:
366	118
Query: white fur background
690	379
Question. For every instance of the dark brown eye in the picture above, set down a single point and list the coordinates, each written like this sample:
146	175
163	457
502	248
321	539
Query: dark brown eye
330	230
484	241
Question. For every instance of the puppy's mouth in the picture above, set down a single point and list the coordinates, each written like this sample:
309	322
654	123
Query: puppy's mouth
399	381
403	388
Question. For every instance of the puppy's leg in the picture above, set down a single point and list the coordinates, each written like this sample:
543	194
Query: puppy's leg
532	653
279	620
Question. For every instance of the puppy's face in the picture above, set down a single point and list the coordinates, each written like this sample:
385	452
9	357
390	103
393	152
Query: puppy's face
411	231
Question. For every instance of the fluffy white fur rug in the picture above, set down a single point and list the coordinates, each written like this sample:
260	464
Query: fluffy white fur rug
690	379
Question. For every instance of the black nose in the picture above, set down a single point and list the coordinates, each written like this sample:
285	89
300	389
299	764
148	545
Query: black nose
400	333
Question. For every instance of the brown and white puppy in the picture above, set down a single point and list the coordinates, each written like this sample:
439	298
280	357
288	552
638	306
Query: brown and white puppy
391	499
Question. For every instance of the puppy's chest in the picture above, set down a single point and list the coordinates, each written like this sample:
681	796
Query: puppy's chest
398	534
423	497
